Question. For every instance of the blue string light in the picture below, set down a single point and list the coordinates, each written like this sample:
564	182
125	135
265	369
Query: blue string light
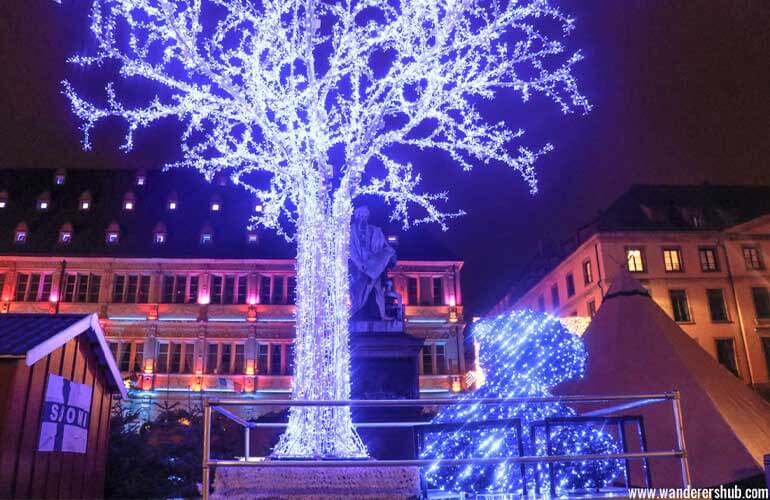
523	354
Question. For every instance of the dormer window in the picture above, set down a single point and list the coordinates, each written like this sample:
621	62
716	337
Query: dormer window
393	239
3	199
65	234
207	236
252	238
43	202
84	202
172	205
129	202
112	235
59	177
141	178
159	234
20	236
215	206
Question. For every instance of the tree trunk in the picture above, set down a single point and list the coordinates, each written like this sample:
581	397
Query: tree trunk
322	355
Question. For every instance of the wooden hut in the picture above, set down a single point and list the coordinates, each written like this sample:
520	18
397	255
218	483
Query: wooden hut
57	380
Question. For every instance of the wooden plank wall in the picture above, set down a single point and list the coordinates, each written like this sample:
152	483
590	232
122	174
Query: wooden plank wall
25	473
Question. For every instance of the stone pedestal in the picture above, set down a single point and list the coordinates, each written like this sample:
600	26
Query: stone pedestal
385	365
317	483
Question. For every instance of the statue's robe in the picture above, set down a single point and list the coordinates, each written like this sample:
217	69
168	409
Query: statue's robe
370	256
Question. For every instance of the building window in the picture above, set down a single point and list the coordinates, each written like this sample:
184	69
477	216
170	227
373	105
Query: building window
216	206
262	358
291	289
129	202
441	359
161	362
541	303
189	358
131	288
438	292
141	178
226	359
766	350
709	262
679	306
139	356
212	358
672	260
555	296
588	272
635	260
43	202
591	308
179	289
427	360
84	202
176	358
239	362
274	289
59	177
726	355
752	258
206	238
570	285
275	359
412	290
761	298
82	288
717	306
124	358
112	235
65	237
3	199
32	287
172	204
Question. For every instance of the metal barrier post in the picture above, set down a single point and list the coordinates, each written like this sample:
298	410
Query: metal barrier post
676	402
247	442
206	449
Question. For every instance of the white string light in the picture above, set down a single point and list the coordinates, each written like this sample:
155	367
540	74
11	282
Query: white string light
313	98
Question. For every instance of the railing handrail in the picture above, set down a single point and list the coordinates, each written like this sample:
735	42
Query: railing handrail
653	398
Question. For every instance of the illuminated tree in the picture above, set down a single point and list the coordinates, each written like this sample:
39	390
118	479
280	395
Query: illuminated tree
303	103
524	354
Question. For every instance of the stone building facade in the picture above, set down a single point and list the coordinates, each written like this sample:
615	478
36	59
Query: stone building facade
192	302
702	251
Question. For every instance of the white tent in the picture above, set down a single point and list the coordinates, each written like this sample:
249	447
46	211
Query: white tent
635	348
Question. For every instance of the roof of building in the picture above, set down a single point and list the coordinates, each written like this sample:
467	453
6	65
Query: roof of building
655	207
34	336
634	347
36	202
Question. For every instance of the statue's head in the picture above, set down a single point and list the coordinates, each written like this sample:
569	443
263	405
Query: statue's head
361	215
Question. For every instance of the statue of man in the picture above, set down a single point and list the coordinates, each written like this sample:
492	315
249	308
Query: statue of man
370	257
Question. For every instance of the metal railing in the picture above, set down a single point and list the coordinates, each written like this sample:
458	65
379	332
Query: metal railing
632	401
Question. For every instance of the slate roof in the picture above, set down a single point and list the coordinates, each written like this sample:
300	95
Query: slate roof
656	207
184	225
21	332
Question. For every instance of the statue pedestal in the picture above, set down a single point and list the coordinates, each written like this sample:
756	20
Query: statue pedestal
385	365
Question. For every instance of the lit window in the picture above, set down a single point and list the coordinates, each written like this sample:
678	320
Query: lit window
3	203
160	238
172	205
59	180
215	206
672	259
588	273
252	238
21	236
393	239
206	238
140	180
112	237
85	205
59	177
128	205
65	237
635	260
42	205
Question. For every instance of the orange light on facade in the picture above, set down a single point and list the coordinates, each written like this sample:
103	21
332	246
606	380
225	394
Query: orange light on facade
197	386
148	366
147	383
251	316
452	314
250	367
184	421
152	315
249	384
456	385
